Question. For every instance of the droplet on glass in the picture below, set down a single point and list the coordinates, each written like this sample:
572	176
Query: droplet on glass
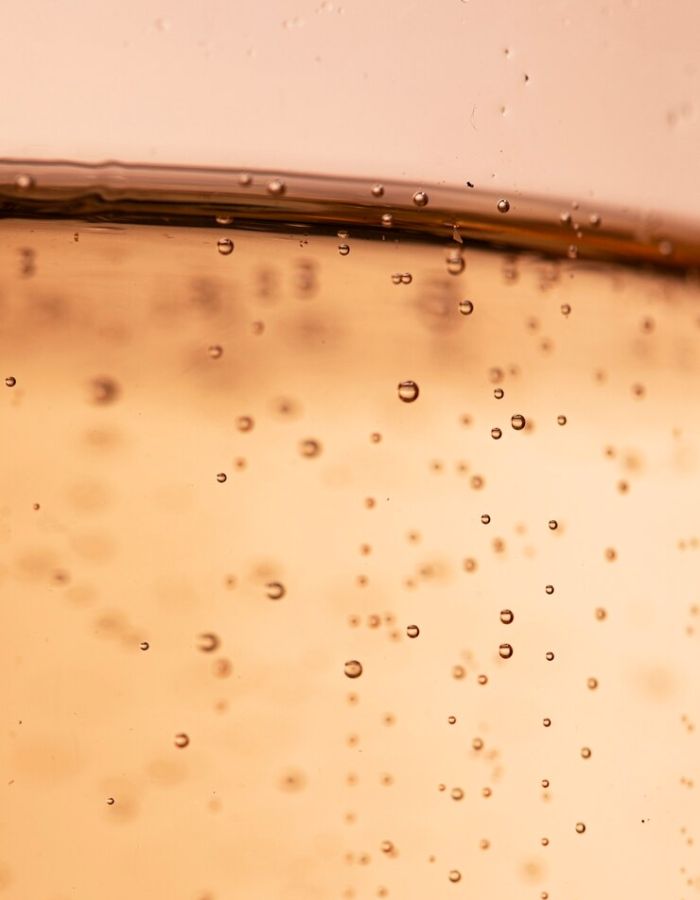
353	668
408	391
466	307
224	246
413	631
503	206
505	651
507	616
275	590
517	422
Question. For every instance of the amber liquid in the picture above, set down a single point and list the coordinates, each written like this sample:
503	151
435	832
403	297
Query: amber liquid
279	625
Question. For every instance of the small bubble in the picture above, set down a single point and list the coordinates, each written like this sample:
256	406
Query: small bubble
485	519
545	783
586	752
36	506
10	381
110	801
470	565
207	642
224	220
413	631
505	651
353	668
455	875
276	187
565	218
181	740
455	262
451	720
245	180
406	278
477	743
245	423
275	590
375	437
104	390
377	190
144	645
580	827
343	249
420	198
486	792
310	448
387	220
483	679
23	181
546	722
507	616
594	220
496	433
503	206
458	672
518	422
484	844
610	554
396	278
225	246
552	524
561	420
549	656
215	351
549	589
565	309
221	477
544	841
600	613
457	793
387	847
466	307
408	391
499	393
592	684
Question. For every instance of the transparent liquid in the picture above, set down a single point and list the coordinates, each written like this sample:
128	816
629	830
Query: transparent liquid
315	583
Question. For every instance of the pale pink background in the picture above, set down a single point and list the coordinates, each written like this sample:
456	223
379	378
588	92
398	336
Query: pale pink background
430	90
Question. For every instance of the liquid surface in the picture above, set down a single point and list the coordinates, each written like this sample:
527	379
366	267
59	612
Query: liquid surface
316	584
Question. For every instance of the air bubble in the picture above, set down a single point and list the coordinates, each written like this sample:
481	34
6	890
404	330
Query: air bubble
518	422
546	722
207	642
245	180
10	381
387	847
552	524
245	423
387	220
221	477
413	631
466	307
406	278
353	668
144	645
458	672
408	391
485	519
24	181
420	198
586	752
600	613
225	246
457	793
224	220
580	827
477	743
561	420
275	590
503	206
377	190
507	616
455	875
181	740
545	783
215	351
496	433
310	448
549	656
549	589
499	393
451	720
276	187
455	262
592	684
505	651
110	801
343	249
483	679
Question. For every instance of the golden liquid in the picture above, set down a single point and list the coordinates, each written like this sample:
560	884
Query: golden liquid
215	504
